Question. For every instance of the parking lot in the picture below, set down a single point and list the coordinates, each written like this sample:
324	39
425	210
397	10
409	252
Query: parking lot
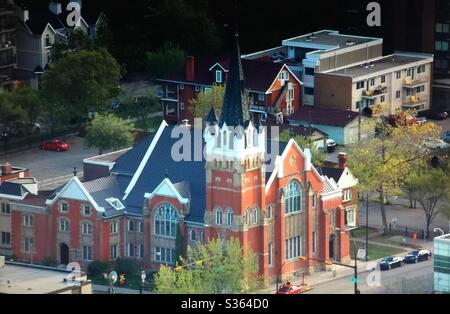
45	165
444	124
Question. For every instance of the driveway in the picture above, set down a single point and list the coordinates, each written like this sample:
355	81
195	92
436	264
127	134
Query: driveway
46	165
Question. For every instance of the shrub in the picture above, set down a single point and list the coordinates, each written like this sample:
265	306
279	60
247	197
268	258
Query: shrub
97	268
124	265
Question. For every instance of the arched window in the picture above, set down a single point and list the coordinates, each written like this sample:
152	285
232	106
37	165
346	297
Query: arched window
192	235
292	198
314	200
130	225
166	221
255	216
229	217
269	213
247	216
219	218
202	236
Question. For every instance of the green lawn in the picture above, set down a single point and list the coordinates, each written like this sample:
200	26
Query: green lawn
361	232
376	251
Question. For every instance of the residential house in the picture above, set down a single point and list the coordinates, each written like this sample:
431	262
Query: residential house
344	126
272	88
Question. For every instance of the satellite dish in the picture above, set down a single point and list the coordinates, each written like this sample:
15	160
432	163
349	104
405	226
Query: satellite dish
112	277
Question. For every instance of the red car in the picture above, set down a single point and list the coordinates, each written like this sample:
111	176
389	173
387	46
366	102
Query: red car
288	288
57	145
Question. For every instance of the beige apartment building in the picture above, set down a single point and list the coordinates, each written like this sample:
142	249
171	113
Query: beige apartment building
402	81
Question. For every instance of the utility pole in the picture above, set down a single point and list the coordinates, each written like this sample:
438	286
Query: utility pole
367	227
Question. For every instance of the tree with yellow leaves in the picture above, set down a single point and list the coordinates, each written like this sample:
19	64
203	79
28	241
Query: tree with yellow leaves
383	163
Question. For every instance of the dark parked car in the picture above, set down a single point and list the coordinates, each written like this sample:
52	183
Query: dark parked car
417	256
435	115
446	137
57	145
390	262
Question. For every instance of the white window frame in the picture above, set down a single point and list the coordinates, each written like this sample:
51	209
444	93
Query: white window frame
88	209
398	94
314	242
219	78
261	97
113	227
398	75
113	251
6	208
87	253
86	228
62	207
255	216
219	216
64	225
192	235
7	236
130	249
230	217
129	224
28	245
270	254
28	220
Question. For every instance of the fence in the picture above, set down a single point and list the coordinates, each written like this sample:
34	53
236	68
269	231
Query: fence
14	144
407	231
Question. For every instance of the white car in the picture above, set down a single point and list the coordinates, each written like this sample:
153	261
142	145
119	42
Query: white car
435	143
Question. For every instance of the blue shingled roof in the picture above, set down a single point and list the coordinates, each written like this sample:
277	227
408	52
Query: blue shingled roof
13	189
187	176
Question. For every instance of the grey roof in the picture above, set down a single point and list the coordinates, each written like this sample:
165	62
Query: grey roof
235	111
183	188
13	189
103	188
334	173
382	64
39	18
329	38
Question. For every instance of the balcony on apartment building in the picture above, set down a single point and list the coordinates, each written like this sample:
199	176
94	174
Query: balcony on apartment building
415	102
7	60
7	44
372	94
413	83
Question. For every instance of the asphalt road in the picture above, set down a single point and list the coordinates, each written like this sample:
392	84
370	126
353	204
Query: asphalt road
45	165
411	278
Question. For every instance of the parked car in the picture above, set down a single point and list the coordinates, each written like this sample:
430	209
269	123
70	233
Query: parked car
417	256
446	137
288	288
56	145
435	143
390	262
435	115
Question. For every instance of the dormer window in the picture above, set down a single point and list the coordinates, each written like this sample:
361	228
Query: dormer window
284	75
116	203
218	76
48	42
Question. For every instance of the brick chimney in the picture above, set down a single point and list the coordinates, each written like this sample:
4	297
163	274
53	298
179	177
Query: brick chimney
6	169
190	68
343	158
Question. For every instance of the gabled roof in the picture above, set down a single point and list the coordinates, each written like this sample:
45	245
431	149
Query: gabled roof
13	190
259	74
102	189
330	172
323	116
211	118
40	18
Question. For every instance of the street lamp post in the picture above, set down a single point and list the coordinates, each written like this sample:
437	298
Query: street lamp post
355	267
367	227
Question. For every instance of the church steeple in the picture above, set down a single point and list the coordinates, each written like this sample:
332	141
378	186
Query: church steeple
235	111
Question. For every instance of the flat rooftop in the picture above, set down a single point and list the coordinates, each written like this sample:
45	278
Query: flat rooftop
382	64
327	40
27	279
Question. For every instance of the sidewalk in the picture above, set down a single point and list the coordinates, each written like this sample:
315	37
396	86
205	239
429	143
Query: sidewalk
104	290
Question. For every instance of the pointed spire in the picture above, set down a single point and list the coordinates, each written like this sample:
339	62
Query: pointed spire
234	111
211	118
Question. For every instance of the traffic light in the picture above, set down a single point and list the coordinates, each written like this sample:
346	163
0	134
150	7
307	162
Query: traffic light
122	279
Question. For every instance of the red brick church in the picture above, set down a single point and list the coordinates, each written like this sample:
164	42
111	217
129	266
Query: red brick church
281	208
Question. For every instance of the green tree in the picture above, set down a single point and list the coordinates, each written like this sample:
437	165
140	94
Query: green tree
204	100
167	59
432	191
31	103
381	164
9	110
82	81
108	132
318	156
217	267
76	40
